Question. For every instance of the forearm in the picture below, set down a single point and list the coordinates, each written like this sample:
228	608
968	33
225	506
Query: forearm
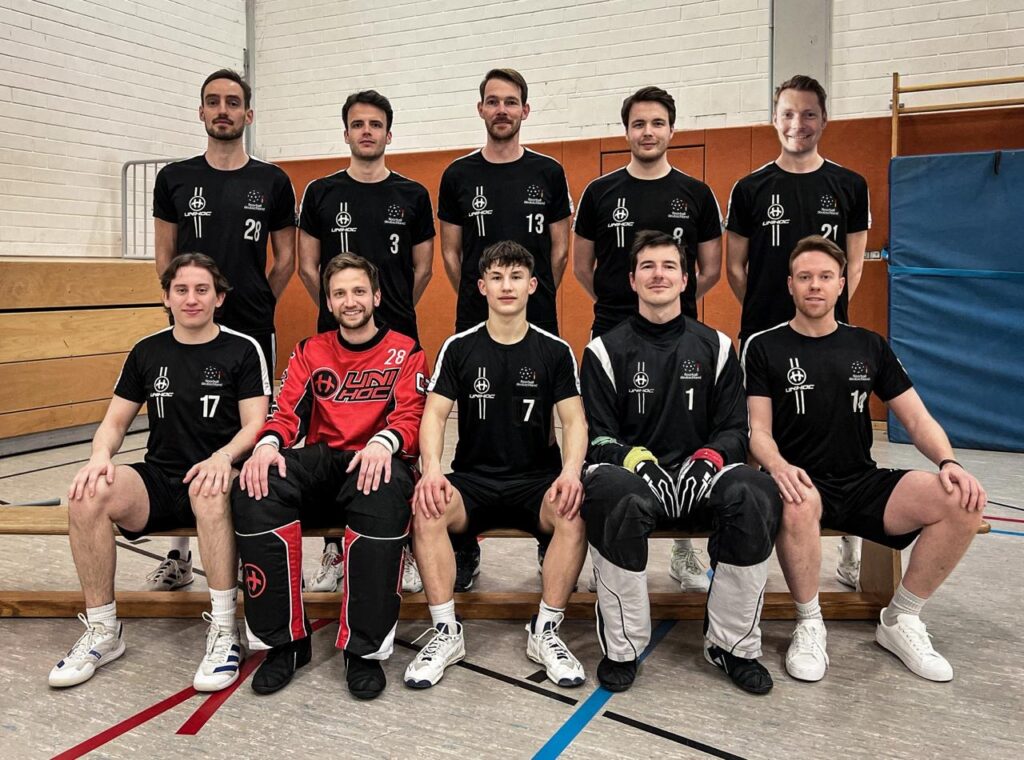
279	275
574	445
737	276
765	451
420	277
241	445
706	281
930	439
310	277
854	271
107	440
431	442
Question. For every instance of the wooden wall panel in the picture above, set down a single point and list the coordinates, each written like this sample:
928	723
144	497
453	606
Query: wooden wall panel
51	418
32	335
27	283
54	382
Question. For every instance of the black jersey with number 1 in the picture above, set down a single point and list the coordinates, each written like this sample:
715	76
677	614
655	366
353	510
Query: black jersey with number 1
516	201
380	221
506	394
819	387
191	392
228	215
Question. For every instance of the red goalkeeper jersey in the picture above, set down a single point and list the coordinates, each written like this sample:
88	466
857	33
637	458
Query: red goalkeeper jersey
344	395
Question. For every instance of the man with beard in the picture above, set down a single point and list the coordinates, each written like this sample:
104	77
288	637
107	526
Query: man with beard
647	194
368	210
224	203
503	192
356	395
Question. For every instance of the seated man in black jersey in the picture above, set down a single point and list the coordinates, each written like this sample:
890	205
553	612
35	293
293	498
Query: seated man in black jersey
668	440
206	389
808	383
356	395
507	376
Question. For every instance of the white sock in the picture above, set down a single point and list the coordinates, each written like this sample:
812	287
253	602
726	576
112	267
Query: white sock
547	614
181	543
443	613
903	603
224	604
810	610
105	615
684	544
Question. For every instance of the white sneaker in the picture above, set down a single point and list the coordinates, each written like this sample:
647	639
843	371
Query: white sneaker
95	648
330	572
219	667
848	569
172	572
806	659
446	647
411	581
686	567
547	649
910	641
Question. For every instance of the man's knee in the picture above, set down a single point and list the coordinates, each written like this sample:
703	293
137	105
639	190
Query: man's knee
749	510
385	512
804	516
93	507
619	514
214	507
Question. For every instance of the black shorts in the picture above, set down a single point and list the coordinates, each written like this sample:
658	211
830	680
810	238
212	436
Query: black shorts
501	502
169	503
856	505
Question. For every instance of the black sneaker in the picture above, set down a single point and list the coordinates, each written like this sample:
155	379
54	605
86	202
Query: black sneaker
277	670
467	566
365	678
749	674
616	676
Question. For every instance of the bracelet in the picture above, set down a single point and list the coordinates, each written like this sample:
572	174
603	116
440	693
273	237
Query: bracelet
226	454
944	462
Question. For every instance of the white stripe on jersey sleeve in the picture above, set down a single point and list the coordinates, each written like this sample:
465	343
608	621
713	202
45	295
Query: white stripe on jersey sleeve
724	346
264	375
746	346
597	347
444	349
575	366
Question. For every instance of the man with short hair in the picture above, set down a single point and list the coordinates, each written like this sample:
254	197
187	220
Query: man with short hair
798	194
386	218
668	447
503	191
225	203
356	396
647	194
206	388
808	383
507	376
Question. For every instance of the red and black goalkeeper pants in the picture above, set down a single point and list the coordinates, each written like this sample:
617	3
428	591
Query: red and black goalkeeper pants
316	491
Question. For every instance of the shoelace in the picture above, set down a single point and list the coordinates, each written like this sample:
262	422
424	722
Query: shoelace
805	640
167	567
429	652
328	561
919	637
554	644
87	640
218	640
693	564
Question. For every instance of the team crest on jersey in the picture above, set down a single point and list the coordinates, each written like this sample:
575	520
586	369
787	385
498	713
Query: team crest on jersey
797	379
213	377
534	195
356	386
479	210
859	371
690	370
828	205
527	378
395	215
255	201
481	392
641	387
197	210
679	209
776	219
620	222
161	390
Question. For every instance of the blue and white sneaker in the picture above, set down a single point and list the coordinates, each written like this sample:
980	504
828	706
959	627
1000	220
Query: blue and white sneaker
219	668
95	648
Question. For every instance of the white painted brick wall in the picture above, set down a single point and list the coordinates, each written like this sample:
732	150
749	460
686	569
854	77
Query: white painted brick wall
86	85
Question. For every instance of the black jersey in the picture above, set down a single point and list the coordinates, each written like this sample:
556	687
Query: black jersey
228	215
618	205
505	395
774	209
516	201
671	388
191	393
380	221
819	389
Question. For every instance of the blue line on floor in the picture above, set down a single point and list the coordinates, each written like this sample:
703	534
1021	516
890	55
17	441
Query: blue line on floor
1006	532
565	735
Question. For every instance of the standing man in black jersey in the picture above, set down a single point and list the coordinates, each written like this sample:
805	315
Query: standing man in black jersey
503	192
386	218
508	376
668	442
798	194
647	194
808	382
206	388
224	203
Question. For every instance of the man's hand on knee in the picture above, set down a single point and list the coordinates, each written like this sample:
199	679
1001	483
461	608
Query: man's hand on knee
793	482
566	495
254	476
432	496
374	462
209	477
953	476
84	483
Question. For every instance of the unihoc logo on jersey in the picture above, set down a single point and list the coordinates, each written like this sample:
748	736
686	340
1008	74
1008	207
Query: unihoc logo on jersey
534	196
356	386
859	371
481	392
828	205
395	215
161	390
620	221
641	387
480	211
776	218
797	379
343	224
197	210
690	370
255	201
679	209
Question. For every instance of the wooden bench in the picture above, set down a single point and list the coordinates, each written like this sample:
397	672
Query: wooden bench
881	571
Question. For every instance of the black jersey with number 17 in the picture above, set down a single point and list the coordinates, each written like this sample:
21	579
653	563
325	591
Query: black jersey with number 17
491	202
506	394
228	215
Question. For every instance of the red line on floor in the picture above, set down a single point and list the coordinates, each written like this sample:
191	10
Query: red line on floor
1004	519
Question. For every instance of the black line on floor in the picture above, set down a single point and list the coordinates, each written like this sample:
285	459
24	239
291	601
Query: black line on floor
677	738
144	553
537	677
502	677
1008	506
62	464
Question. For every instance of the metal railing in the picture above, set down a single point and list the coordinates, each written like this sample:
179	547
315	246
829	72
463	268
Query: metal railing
137	206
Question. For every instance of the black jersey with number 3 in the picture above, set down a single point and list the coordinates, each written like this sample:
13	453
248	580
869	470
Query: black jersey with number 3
380	221
228	215
617	206
819	387
516	201
191	392
774	209
506	394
